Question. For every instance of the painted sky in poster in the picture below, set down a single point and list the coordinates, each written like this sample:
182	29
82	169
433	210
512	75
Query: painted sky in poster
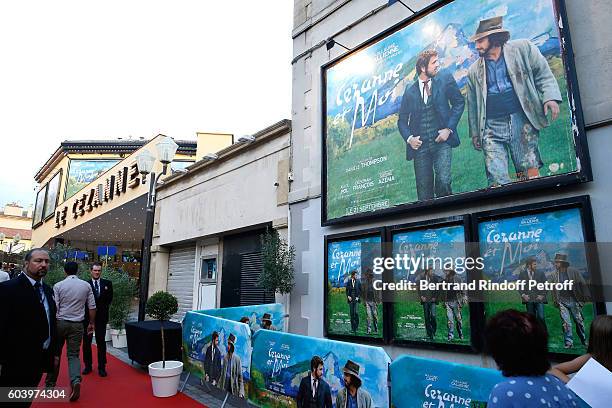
345	256
283	359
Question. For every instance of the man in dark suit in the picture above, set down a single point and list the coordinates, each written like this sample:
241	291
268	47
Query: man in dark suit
534	298
428	119
212	360
103	293
353	297
314	392
27	324
429	297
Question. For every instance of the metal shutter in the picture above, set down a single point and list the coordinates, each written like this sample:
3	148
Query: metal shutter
181	269
251	265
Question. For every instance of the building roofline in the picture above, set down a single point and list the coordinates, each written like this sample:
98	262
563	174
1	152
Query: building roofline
116	146
279	128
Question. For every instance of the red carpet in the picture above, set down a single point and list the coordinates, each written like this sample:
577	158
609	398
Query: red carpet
125	385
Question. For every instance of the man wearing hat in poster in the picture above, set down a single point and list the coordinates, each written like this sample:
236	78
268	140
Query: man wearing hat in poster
570	302
353	295
352	395
231	370
511	90
266	322
533	299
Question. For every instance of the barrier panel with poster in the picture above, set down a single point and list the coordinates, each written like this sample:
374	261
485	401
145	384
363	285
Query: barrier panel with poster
551	245
272	313
281	361
428	383
440	317
352	307
206	357
411	118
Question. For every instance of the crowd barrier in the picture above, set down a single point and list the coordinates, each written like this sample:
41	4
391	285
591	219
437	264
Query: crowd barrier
273	364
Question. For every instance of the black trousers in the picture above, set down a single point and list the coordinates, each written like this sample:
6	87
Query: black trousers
100	332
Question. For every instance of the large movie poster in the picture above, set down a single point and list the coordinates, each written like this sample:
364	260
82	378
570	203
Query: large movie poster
40	205
545	247
472	96
433	316
353	307
83	172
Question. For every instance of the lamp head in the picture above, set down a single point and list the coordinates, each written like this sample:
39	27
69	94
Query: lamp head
17	238
145	161
211	156
166	149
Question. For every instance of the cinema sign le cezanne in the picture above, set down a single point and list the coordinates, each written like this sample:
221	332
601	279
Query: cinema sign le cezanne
114	185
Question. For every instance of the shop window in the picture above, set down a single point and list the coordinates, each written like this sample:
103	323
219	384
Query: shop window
208	270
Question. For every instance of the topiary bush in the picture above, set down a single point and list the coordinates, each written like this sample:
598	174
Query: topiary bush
160	306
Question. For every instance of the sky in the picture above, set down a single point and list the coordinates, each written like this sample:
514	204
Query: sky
113	69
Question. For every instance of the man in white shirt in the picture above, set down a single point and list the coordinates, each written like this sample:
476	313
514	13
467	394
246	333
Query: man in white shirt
4	276
72	295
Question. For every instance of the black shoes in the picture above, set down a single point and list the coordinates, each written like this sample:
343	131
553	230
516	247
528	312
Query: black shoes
76	392
86	371
102	372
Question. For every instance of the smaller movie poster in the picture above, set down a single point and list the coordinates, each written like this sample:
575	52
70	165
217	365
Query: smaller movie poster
546	249
434	255
354	307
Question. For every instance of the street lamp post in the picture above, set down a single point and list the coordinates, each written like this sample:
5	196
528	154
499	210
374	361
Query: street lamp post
166	149
2	236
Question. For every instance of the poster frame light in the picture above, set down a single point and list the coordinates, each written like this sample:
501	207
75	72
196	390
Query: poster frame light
475	316
583	204
353	235
582	174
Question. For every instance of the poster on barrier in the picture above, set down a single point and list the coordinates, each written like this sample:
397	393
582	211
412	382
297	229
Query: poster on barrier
211	344
281	367
428	383
267	316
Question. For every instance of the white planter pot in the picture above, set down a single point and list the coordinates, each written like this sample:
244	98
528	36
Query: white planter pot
165	381
107	337
119	338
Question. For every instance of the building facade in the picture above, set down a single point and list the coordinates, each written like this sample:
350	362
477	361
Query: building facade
352	23
16	225
209	221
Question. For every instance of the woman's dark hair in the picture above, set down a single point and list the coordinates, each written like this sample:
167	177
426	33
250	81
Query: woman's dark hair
600	340
499	39
315	362
518	342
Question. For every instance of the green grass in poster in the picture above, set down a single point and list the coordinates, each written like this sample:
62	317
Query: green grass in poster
409	323
553	324
339	319
354	181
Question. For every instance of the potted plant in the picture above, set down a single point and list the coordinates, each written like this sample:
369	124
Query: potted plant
277	275
165	375
119	310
